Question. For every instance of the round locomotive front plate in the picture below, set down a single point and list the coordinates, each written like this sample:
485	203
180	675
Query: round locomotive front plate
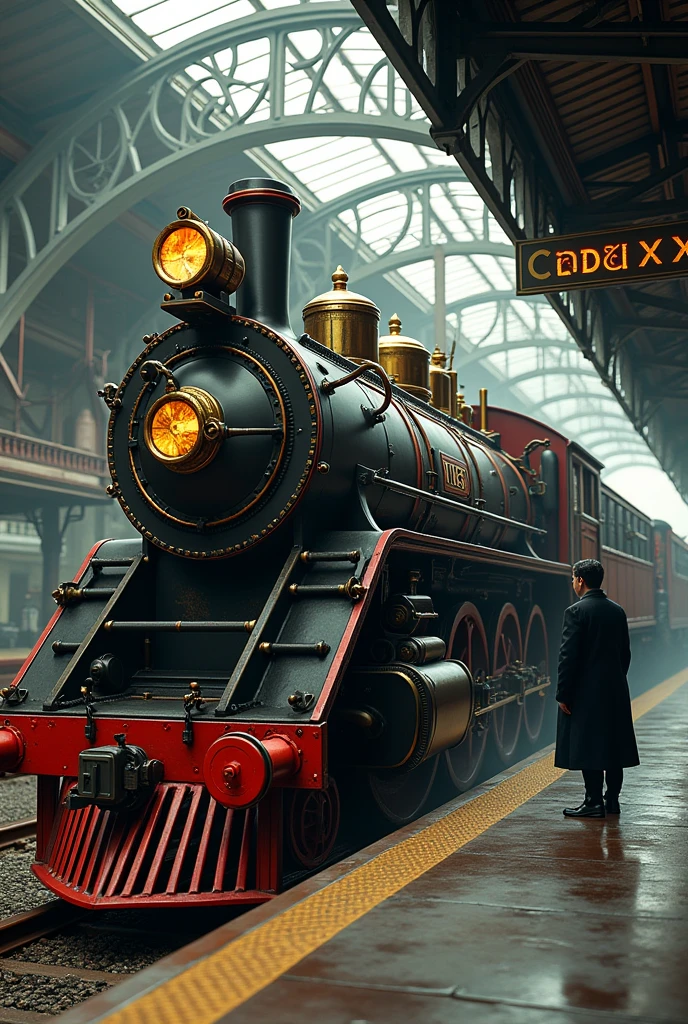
215	437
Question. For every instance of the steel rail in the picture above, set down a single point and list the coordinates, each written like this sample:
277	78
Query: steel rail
19	929
16	830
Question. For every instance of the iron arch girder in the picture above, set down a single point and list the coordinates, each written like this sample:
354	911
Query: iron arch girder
385	186
124	176
578	396
176	59
649	462
423	253
547	371
482	298
477	354
613	448
603	433
94	218
605	414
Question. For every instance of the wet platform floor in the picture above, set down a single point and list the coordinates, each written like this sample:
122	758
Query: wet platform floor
539	919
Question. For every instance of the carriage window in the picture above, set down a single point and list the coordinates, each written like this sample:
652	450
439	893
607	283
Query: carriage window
590	493
576	487
680	560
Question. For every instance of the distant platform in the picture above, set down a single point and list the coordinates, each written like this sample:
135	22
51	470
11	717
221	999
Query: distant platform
11	660
493	908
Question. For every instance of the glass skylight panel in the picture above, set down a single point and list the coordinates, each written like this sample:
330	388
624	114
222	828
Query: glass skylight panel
130	7
405	155
330	167
230	12
493	271
171	13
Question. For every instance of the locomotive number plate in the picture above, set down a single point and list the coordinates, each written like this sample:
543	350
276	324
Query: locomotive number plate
455	476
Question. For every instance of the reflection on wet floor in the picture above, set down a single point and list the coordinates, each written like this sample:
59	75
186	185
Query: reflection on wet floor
538	914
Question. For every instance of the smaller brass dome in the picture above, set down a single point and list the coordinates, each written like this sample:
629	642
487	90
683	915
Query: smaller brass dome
405	360
440	382
344	321
464	411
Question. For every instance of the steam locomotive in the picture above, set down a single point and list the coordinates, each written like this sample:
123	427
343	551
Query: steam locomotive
342	590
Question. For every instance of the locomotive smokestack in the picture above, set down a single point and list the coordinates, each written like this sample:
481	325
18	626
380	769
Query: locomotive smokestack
262	210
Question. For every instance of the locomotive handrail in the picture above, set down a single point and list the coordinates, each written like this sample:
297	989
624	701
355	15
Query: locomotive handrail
328	386
151	370
438	499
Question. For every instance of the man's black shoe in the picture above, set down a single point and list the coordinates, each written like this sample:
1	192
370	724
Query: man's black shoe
612	804
586	810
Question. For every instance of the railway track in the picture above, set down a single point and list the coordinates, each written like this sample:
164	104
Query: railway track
19	930
38	982
16	830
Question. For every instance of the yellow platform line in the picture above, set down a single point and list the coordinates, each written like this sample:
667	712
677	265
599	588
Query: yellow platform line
216	985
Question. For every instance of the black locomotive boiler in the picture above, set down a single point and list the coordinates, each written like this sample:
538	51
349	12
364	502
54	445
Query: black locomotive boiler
341	589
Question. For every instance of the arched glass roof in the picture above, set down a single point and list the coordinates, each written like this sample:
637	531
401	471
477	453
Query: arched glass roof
521	341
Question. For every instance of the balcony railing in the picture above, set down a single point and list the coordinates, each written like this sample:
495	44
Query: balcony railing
47	453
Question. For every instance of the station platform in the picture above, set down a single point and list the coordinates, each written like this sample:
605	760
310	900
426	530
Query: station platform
493	908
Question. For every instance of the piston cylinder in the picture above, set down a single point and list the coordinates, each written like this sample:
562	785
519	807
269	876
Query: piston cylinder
12	747
239	769
440	383
417	712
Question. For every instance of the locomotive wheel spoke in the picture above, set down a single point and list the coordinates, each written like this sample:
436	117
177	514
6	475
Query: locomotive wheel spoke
313	824
468	643
400	798
536	654
508	648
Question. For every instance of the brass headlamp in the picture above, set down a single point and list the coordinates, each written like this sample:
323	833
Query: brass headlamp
182	428
188	254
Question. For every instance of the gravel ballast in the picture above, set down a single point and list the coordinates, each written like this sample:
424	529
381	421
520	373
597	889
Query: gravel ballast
17	799
44	995
116	954
20	890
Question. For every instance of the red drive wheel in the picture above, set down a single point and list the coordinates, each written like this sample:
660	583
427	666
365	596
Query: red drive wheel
535	655
468	643
506	651
400	798
313	824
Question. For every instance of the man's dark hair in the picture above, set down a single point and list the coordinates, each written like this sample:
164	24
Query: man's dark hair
591	572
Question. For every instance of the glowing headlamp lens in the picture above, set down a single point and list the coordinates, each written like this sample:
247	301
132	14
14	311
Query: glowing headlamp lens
174	429
183	254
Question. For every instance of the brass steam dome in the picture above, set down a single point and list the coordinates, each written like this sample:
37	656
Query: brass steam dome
344	321
406	361
440	382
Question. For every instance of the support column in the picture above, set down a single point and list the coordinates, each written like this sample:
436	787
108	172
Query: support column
440	299
51	544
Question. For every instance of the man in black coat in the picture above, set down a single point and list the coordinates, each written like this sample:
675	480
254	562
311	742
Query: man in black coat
595	726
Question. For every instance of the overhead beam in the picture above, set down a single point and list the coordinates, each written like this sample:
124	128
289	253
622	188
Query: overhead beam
608	216
605	162
658	302
648	42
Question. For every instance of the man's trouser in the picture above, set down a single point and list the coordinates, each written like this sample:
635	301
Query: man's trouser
593	783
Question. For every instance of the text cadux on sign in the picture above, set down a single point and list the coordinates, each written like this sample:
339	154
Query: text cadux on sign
562	262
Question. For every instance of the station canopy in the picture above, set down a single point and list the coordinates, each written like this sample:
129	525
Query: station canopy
521	341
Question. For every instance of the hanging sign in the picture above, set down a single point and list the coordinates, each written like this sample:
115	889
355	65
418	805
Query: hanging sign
596	259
